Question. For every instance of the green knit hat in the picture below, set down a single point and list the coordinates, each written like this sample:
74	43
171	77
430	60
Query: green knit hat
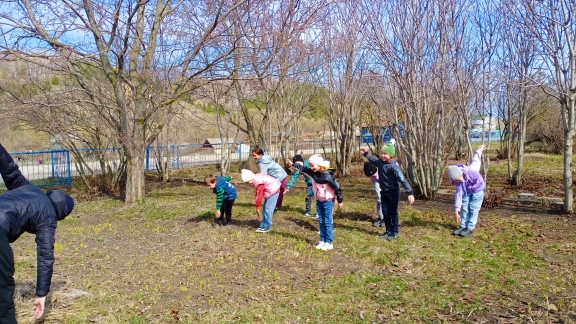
389	149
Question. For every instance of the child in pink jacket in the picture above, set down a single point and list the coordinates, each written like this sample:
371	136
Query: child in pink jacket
268	188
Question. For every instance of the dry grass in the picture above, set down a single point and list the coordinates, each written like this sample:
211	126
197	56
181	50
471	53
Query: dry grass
162	262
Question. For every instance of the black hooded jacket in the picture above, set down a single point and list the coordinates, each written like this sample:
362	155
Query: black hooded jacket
389	174
25	208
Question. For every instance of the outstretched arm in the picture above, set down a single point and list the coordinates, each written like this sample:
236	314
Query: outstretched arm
293	179
477	160
11	175
302	168
369	156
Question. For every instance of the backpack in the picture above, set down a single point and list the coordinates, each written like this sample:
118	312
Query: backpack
323	192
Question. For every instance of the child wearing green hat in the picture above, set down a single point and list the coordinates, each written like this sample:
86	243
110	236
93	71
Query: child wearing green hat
389	175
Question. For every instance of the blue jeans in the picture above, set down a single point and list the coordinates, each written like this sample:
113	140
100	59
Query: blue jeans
378	199
324	210
471	204
390	200
268	210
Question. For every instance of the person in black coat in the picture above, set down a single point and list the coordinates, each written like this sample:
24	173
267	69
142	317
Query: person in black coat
25	208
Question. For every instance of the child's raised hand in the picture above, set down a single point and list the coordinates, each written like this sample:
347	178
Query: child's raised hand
362	150
482	147
411	199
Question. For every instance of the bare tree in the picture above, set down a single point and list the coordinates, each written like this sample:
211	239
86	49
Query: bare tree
553	25
152	54
426	57
520	54
53	104
345	51
270	67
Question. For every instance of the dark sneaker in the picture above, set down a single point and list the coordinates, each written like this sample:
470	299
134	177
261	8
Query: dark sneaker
457	231
392	236
378	223
465	233
385	235
227	223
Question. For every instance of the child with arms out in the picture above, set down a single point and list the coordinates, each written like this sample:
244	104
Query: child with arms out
469	193
267	188
309	193
325	188
389	175
225	197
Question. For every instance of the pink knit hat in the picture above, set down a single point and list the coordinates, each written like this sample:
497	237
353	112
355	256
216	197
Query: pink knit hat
316	159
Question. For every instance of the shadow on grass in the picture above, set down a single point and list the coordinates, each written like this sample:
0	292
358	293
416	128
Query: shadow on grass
304	222
294	236
418	222
206	216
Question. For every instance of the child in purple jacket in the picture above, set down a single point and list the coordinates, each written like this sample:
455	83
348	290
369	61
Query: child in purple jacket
469	193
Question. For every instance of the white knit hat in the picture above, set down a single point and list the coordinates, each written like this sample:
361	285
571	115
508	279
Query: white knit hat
454	172
316	159
247	175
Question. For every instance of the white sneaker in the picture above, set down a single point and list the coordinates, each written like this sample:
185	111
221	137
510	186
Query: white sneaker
327	246
320	245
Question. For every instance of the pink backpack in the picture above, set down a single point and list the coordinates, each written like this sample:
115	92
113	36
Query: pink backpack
323	192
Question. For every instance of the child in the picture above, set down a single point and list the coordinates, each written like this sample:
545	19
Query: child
325	188
270	167
309	193
225	196
469	193
389	174
371	170
267	188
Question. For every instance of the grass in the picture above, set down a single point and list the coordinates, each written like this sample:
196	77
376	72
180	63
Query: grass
162	262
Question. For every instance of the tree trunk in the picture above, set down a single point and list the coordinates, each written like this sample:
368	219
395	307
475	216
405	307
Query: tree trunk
567	175
135	179
517	178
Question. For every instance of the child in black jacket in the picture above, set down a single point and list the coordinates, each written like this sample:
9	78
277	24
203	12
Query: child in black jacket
389	174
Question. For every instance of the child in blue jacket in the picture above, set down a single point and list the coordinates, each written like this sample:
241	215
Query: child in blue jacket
225	197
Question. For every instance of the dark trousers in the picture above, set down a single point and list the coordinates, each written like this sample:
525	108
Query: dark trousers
308	199
390	200
283	185
384	208
226	211
7	286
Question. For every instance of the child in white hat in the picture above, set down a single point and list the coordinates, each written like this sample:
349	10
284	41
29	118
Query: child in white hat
325	188
469	193
267	188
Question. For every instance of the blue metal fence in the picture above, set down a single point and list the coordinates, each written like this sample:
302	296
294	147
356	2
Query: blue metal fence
54	167
44	168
